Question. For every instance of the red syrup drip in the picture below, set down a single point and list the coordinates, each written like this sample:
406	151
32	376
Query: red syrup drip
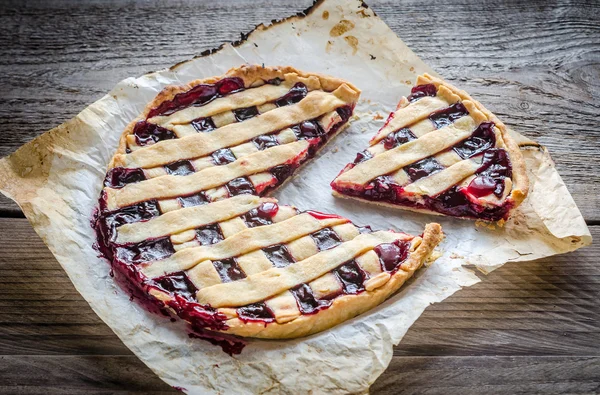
322	216
229	344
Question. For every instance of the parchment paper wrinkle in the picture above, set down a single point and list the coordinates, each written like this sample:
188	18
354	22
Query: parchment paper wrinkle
56	180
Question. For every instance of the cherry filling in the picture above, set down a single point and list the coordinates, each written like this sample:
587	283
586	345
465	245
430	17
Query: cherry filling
240	186
495	167
391	255
241	114
262	215
282	172
177	283
118	177
423	168
198	96
181	168
146	251
381	188
448	115
308	130
307	303
363	157
203	125
255	312
483	186
420	91
279	255
482	139
265	141
325	239
351	276
209	234
398	138
229	270
297	93
108	222
148	133
193	200
223	156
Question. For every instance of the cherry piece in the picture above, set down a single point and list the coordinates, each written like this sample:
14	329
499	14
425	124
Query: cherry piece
448	115
203	125
344	112
230	85
391	255
297	93
255	312
229	270
193	200
240	186
209	234
481	186
262	215
118	177
146	251
307	303
351	276
279	255
265	141
325	239
398	138
282	172
177	283
181	168
223	156
308	130
482	139
381	188
420	91
148	133
241	114
423	168
362	157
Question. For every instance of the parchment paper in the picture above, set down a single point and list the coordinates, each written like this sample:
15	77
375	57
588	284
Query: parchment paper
57	178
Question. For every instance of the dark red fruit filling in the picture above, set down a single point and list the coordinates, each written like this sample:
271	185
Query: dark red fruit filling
203	125
282	172
177	283
279	255
255	312
240	186
351	276
209	234
308	130
297	93
364	229
148	133
482	139
107	222
447	116
423	168
420	91
262	215
391	255
398	138
198	96
362	157
223	156
146	251
193	200
181	168
241	114
229	270
344	113
118	177
326	238
495	167
307	303
265	141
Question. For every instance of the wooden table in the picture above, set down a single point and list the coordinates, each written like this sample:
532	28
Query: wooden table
529	327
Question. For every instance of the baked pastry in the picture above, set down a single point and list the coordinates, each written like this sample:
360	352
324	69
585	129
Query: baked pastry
440	152
184	217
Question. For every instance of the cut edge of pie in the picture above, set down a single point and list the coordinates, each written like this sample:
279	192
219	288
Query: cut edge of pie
443	185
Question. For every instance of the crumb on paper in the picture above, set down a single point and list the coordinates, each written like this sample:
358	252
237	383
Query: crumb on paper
377	116
353	42
454	255
335	150
485	224
325	14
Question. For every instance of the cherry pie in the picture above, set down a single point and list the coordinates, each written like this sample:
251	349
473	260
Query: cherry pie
440	152
184	217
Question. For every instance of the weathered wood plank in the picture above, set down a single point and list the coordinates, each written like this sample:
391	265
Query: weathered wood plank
535	65
539	320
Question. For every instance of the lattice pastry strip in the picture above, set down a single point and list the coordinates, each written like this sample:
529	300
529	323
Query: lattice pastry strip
421	159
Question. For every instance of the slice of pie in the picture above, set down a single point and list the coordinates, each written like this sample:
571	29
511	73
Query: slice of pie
183	214
440	152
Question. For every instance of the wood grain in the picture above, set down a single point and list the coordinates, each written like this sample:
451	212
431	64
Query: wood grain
529	327
536	64
528	319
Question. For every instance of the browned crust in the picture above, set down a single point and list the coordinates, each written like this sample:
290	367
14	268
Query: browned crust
348	306
520	180
250	74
